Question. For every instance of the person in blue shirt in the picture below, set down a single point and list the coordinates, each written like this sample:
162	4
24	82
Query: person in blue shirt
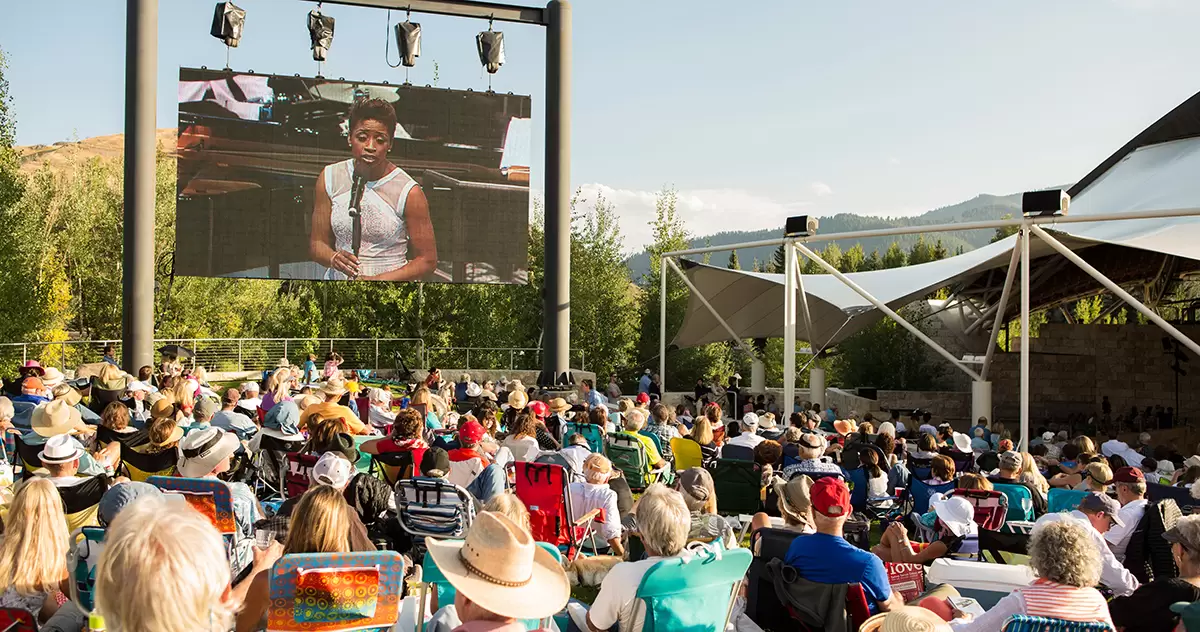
33	391
110	354
593	398
826	557
644	382
310	370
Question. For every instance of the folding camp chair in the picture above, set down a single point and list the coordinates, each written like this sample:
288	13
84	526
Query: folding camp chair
738	485
591	432
299	473
1023	623
629	455
432	577
30	462
81	502
1063	499
141	466
100	398
307	592
964	462
87	543
1181	495
687	454
434	507
213	499
762	604
17	620
920	491
543	489
1020	501
693	593
875	508
656	440
271	465
921	469
392	466
991	507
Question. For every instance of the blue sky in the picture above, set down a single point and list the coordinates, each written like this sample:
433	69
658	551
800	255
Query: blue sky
870	107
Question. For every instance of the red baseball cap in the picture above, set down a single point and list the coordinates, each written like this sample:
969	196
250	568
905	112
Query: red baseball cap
830	497
472	432
539	408
1129	475
643	398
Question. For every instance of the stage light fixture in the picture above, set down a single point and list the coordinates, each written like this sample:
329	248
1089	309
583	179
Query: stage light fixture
320	31
227	23
408	41
1045	203
800	226
491	49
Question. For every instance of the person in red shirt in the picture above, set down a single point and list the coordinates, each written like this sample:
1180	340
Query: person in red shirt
407	436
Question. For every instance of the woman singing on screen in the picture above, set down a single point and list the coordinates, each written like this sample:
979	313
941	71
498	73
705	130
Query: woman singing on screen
397	235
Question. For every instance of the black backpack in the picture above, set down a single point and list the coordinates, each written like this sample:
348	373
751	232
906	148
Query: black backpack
1148	556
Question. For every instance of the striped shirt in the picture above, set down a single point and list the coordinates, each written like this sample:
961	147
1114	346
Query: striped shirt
1044	598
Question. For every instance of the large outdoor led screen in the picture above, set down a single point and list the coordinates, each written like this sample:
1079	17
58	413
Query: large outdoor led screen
301	178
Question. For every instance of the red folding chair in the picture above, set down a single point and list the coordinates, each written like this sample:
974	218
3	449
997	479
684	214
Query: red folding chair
543	489
299	473
991	507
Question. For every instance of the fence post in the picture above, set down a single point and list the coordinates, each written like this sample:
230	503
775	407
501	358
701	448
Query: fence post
511	359
62	352
193	353
468	367
376	366
24	353
240	367
331	345
285	348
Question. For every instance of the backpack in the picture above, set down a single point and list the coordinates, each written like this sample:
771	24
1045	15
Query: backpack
1148	555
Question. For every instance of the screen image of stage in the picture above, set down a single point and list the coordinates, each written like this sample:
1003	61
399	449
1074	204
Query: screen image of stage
285	177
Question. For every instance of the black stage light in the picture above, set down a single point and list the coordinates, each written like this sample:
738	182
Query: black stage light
1045	203
491	49
227	23
408	40
320	31
800	226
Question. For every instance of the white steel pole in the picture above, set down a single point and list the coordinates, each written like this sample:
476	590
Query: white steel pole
891	313
1116	289
789	326
796	269
662	321
1000	307
1024	239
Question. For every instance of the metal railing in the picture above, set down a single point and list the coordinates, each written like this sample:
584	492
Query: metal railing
254	354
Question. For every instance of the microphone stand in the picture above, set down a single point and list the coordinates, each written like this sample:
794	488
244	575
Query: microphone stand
357	188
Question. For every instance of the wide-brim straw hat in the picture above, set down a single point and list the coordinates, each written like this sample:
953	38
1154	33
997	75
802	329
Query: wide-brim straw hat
334	387
499	567
53	377
201	451
67	394
559	405
518	400
845	426
176	434
905	619
56	417
794	501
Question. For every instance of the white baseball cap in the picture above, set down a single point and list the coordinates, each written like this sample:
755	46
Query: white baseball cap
750	420
332	469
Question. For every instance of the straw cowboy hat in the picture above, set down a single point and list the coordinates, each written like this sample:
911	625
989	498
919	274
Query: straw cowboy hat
518	400
333	387
67	394
905	619
201	451
499	567
794	501
474	389
57	417
53	377
559	405
60	449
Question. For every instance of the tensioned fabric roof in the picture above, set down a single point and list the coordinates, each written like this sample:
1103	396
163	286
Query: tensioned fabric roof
1157	170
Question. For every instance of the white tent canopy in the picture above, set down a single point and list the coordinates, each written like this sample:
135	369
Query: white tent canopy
1156	171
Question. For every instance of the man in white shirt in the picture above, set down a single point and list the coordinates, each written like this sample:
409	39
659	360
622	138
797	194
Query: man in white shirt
576	453
749	436
250	398
1131	493
594	493
663	521
1100	513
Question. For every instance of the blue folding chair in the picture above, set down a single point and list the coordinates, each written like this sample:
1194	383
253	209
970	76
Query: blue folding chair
655	439
685	593
1020	501
1023	623
921	491
591	432
1063	499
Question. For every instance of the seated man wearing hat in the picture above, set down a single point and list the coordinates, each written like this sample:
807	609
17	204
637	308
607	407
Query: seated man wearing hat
749	437
332	391
825	557
80	494
1131	493
229	419
810	449
135	401
33	391
500	576
207	452
1010	474
1099	513
58	417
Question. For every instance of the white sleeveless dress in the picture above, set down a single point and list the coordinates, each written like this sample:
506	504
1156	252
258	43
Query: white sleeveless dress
384	244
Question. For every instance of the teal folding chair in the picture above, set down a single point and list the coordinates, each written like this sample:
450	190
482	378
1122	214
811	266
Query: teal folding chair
685	593
591	432
1023	623
87	542
1063	499
431	576
1020	501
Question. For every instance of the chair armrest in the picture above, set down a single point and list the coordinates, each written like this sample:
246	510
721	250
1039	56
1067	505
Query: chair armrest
595	514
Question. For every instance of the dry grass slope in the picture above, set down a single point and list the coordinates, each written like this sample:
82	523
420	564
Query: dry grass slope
112	146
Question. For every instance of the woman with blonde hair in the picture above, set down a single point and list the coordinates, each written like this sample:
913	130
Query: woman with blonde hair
33	555
278	389
422	397
1097	476
320	524
163	568
508	504
1085	444
702	433
1031	476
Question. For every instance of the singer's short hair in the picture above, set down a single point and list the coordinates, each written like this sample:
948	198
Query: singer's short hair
374	109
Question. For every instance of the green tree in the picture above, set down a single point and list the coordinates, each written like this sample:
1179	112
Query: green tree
894	257
887	356
854	259
777	262
733	261
921	252
832	254
872	262
1004	231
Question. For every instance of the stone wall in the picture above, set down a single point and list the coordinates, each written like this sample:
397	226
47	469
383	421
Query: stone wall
949	406
1073	366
